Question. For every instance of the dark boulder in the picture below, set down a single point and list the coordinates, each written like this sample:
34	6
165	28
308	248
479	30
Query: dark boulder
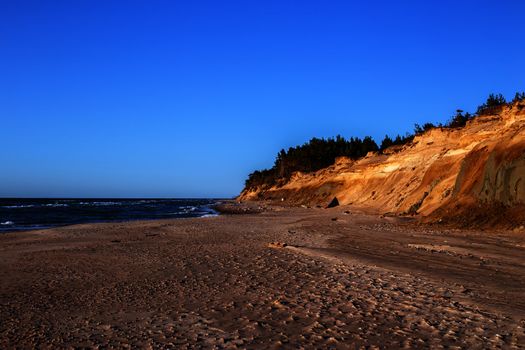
333	203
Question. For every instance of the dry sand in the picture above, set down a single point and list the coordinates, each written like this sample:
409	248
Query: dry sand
341	281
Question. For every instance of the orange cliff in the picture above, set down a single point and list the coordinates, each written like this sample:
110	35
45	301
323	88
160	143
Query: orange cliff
442	173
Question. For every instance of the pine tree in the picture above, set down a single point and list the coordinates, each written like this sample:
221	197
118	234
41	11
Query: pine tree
518	97
492	105
387	142
458	120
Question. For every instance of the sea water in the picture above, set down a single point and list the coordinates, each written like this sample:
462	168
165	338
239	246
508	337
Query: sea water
30	214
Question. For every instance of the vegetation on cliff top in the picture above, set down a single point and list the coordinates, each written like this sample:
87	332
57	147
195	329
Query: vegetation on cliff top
311	156
319	153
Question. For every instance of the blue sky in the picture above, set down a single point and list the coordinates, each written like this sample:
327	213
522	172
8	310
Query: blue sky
185	98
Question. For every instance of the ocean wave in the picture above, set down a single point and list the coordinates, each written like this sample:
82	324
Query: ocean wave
142	201
6	223
209	215
99	204
188	208
52	205
18	206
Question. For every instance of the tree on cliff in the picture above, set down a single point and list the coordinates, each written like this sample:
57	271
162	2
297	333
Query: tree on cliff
387	142
459	120
493	104
518	97
418	130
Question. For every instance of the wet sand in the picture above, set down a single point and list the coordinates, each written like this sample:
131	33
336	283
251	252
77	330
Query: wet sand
342	281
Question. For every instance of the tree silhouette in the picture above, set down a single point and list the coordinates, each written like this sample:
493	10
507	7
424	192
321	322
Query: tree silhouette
458	120
518	97
387	142
493	104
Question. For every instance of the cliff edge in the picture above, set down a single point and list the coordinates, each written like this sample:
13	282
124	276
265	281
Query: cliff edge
474	173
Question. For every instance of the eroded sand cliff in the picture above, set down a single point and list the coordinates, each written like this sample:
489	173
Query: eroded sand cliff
442	173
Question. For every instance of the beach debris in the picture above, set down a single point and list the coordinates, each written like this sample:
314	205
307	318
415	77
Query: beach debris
333	203
334	219
277	245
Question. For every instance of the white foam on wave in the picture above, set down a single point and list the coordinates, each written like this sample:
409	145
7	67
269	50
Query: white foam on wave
209	215
188	208
99	203
7	223
145	201
18	206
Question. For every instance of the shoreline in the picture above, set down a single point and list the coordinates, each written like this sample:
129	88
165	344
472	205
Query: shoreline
339	280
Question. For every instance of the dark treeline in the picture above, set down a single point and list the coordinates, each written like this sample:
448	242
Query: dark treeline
311	156
320	153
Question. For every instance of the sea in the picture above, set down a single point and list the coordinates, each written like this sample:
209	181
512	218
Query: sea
34	214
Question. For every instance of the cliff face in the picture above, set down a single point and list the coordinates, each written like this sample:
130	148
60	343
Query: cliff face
441	171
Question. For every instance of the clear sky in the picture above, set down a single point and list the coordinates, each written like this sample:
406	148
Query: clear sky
185	98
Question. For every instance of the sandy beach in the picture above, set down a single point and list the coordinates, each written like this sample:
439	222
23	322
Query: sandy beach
342	279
